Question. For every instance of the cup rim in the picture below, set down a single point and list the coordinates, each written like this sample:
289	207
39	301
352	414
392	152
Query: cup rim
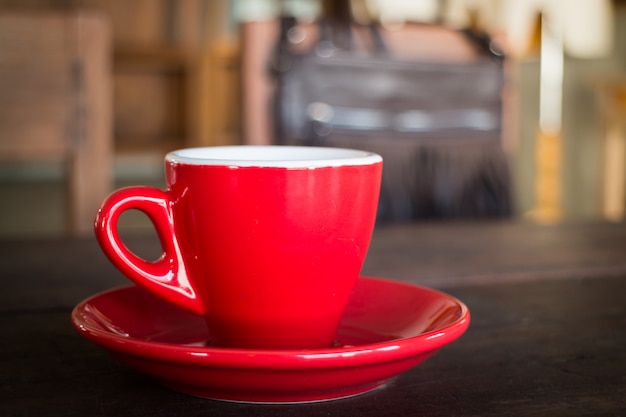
272	156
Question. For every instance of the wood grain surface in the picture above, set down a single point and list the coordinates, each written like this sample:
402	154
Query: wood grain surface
547	335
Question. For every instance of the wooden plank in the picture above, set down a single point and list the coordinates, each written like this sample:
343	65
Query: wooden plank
536	348
91	163
56	101
218	120
36	84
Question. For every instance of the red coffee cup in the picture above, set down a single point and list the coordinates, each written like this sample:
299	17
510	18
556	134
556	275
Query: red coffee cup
266	242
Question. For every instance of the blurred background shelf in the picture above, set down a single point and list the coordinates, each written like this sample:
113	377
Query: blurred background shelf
180	76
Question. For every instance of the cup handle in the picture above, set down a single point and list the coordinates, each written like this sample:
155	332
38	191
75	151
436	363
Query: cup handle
166	277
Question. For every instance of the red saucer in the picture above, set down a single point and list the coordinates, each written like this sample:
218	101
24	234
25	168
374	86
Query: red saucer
388	328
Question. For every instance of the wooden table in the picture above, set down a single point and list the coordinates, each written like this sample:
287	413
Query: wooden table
548	332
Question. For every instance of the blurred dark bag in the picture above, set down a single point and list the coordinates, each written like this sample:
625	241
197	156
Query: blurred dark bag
437	123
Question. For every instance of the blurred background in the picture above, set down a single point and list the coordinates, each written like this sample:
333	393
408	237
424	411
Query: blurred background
93	93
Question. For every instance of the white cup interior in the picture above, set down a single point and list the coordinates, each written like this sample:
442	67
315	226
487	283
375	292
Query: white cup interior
273	156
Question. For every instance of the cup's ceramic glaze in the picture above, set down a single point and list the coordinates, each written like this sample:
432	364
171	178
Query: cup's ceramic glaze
266	242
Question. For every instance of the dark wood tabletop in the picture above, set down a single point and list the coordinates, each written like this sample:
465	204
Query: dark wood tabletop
547	337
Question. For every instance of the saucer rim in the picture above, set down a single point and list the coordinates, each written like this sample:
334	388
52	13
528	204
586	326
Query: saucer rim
394	349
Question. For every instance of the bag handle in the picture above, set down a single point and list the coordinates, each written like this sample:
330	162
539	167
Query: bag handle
336	32
339	36
341	15
327	43
484	43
